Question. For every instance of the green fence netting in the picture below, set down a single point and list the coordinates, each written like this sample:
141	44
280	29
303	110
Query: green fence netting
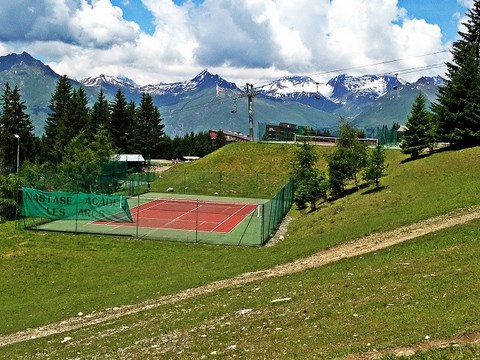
174	217
113	171
114	179
275	210
60	205
183	180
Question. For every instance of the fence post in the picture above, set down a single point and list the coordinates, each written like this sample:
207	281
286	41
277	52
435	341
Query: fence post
138	214
184	180
262	225
76	213
221	177
196	224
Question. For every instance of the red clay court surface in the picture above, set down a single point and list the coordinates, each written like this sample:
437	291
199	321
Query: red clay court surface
190	215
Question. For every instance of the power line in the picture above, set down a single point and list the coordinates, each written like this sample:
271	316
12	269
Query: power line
365	66
420	68
380	63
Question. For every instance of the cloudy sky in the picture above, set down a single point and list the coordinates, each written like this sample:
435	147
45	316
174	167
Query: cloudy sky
153	41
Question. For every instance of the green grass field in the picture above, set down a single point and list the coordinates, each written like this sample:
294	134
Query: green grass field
426	287
238	170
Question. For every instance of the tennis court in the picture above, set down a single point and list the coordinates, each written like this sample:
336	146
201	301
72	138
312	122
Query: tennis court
187	214
162	216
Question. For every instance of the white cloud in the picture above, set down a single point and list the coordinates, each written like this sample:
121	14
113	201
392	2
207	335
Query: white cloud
311	37
466	3
98	24
4	49
242	40
462	18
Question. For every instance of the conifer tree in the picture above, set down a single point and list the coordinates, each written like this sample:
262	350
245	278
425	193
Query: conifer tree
203	143
148	128
128	126
376	166
100	115
348	159
76	117
121	122
166	148
456	111
220	140
58	108
309	182
177	147
419	133
14	121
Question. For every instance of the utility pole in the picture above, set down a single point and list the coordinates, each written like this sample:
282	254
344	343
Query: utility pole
18	153
250	93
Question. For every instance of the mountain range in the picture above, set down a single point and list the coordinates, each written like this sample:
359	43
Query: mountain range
206	101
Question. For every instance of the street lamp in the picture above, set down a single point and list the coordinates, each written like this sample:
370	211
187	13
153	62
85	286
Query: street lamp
18	152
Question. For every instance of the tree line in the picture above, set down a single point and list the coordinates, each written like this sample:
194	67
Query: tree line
386	135
131	129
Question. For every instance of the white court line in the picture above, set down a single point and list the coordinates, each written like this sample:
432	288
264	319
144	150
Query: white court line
243	207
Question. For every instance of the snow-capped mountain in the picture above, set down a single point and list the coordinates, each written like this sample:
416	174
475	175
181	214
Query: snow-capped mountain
206	101
288	86
430	81
302	89
344	88
110	81
200	82
338	89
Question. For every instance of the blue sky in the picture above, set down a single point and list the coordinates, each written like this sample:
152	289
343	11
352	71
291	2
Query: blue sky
154	41
445	13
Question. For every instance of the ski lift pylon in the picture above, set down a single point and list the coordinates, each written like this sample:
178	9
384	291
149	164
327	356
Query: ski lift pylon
317	94
395	87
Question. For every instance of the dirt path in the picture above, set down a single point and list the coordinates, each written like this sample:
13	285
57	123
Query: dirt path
353	248
428	344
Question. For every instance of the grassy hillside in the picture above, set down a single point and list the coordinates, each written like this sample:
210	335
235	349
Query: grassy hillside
240	169
391	298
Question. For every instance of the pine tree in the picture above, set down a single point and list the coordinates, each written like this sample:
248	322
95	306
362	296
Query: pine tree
128	126
203	143
220	140
348	159
76	118
419	133
309	182
148	128
456	112
58	108
14	121
376	167
100	116
121	122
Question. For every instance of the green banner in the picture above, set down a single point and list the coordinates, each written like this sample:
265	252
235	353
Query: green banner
59	205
